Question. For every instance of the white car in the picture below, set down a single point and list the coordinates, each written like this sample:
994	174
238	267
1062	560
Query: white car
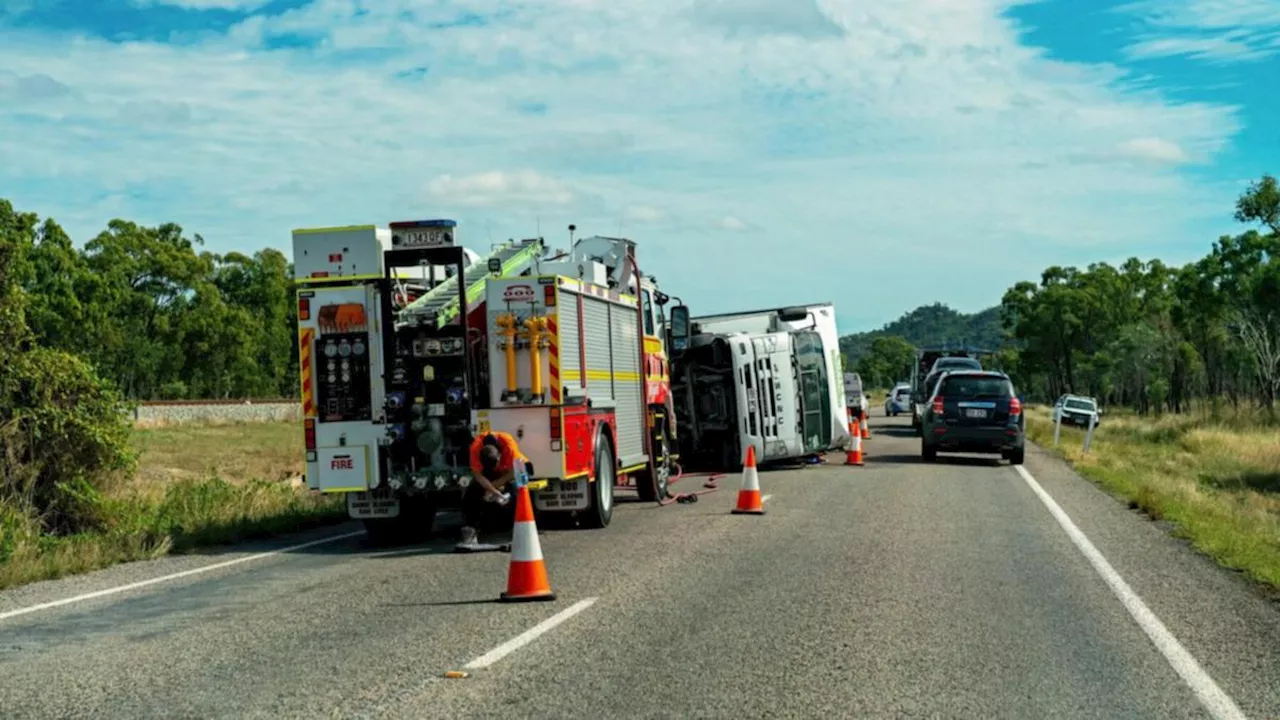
898	400
1077	410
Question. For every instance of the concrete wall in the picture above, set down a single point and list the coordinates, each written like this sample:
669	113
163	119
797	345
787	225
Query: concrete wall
169	413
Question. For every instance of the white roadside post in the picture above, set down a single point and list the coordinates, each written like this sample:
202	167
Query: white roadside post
1057	426
1088	436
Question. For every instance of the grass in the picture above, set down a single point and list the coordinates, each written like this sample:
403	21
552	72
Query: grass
196	485
1212	475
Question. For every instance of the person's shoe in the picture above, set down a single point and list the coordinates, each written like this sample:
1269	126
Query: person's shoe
469	536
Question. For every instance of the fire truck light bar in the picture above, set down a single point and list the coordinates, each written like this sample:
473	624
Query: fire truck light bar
440	223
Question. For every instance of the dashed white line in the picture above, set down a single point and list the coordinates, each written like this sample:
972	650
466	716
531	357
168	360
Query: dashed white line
1217	702
174	576
529	635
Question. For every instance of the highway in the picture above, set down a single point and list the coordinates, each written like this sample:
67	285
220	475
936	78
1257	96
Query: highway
895	589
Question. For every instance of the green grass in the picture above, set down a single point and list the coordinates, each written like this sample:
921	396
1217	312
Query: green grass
196	485
1214	477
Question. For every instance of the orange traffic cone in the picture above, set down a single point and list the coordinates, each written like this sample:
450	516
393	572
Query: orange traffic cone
854	456
527	576
866	427
749	501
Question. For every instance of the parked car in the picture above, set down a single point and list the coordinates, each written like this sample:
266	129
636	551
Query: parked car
898	400
1076	410
974	411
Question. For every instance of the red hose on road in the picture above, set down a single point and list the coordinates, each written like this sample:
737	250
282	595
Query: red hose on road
710	486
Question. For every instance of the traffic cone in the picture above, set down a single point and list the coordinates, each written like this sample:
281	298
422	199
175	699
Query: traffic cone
749	501
527	576
866	426
854	456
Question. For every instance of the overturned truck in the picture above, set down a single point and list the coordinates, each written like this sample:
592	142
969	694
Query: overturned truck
763	378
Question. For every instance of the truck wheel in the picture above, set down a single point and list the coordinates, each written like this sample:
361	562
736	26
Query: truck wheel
600	512
656	488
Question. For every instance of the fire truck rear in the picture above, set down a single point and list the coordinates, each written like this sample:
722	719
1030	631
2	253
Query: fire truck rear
391	349
579	376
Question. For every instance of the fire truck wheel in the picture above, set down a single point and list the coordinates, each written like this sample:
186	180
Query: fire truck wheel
600	512
648	489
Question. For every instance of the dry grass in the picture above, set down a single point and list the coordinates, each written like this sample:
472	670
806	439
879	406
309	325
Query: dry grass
1215	477
196	485
233	452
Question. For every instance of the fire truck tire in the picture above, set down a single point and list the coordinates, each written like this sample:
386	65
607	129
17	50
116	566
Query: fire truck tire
654	489
600	512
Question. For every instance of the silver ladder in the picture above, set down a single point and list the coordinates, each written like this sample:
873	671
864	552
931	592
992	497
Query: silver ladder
439	306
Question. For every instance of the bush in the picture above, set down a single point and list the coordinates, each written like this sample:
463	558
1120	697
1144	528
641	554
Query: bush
63	430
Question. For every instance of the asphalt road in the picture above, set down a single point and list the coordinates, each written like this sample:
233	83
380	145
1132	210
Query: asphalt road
895	589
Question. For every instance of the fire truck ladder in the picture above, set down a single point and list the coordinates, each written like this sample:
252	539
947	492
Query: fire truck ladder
439	306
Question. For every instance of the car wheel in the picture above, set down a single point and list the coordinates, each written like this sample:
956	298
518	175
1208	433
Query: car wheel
928	452
1017	456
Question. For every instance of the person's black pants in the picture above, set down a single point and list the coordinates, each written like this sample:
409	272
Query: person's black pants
482	514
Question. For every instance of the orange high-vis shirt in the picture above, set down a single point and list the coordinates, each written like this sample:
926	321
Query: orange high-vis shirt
507	444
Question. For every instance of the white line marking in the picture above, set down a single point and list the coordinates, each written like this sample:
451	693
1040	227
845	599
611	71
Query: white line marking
529	635
1217	702
174	576
765	499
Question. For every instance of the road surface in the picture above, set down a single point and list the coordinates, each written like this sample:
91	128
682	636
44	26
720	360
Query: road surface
895	589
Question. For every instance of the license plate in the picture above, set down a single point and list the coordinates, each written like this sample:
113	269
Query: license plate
571	495
369	505
975	413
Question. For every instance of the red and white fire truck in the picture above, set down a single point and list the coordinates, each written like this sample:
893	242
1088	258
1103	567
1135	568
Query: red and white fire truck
409	344
579	376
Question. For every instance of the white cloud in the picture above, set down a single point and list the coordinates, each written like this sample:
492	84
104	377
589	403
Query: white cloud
644	213
496	188
1217	31
1154	149
732	223
922	130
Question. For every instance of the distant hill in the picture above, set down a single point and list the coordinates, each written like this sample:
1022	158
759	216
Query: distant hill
934	324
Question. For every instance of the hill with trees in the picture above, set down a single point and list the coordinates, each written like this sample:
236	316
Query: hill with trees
883	357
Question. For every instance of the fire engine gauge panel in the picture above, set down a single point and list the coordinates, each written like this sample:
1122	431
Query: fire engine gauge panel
345	395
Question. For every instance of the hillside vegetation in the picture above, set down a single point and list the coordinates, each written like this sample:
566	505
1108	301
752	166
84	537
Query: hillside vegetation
79	489
883	357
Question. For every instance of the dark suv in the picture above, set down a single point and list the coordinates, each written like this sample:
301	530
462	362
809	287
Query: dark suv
974	411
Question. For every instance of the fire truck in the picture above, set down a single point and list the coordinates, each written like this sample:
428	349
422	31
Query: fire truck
585	384
409	344
390	323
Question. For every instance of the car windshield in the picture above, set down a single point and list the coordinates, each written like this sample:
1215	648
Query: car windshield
1075	404
976	386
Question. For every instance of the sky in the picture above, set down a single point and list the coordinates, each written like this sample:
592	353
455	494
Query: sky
877	154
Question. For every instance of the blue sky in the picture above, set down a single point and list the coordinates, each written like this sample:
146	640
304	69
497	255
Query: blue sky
881	155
